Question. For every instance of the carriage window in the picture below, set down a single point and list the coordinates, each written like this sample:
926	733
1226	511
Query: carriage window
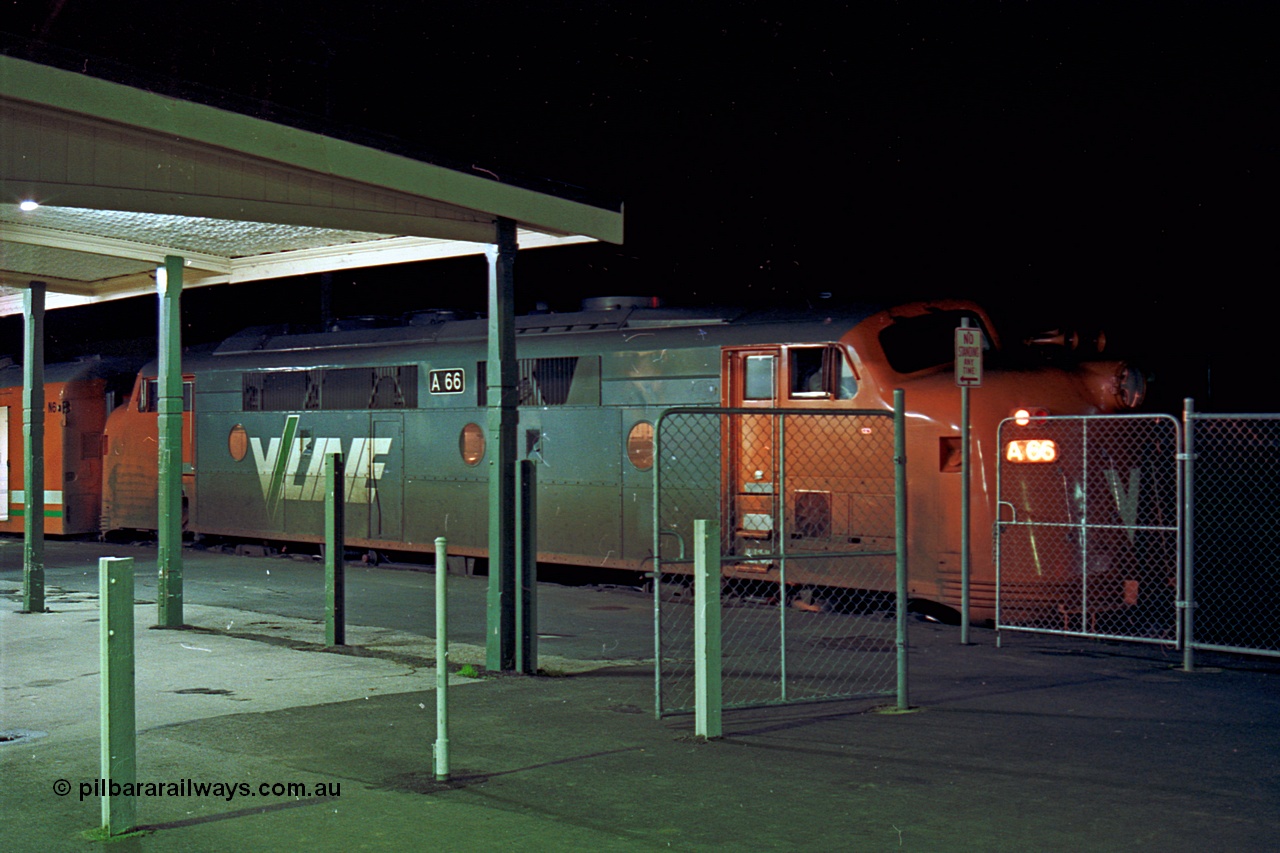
149	398
821	373
640	445
471	444
758	377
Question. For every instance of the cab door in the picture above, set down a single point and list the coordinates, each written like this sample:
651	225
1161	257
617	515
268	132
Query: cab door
751	460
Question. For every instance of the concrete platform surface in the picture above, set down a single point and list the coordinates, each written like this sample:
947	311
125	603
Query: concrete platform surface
1045	744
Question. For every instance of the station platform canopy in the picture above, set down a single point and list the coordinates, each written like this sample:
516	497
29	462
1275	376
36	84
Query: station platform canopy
100	182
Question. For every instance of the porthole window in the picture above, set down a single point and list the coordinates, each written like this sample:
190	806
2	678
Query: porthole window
238	442
471	444
640	445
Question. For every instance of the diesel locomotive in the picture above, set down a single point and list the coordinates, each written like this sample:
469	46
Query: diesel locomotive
405	404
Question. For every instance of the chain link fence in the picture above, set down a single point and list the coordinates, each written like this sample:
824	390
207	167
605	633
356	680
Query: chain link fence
806	503
1087	540
1233	532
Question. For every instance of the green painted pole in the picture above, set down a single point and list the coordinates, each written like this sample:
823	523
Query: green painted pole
335	544
706	628
119	738
169	385
441	749
900	538
33	448
527	561
502	419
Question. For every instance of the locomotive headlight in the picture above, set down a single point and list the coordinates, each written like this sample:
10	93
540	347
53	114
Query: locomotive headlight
1130	387
1114	385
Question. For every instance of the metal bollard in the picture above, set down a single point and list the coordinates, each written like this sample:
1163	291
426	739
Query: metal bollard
335	583
440	750
706	630
118	720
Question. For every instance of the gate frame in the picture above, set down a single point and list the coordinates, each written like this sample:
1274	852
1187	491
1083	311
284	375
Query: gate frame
1188	459
1178	529
900	552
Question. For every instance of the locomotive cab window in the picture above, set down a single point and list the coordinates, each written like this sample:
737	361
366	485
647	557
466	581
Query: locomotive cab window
820	373
927	340
757	377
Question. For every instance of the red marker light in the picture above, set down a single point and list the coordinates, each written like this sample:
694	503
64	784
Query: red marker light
1022	417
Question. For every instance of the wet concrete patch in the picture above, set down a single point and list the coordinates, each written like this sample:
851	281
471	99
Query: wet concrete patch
10	737
422	782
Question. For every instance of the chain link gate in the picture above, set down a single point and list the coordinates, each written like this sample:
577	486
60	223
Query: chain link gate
1087	537
806	502
1233	532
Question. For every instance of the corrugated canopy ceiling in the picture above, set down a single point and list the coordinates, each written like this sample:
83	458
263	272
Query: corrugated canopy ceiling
124	177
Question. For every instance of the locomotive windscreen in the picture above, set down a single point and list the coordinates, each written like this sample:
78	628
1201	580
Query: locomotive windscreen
927	340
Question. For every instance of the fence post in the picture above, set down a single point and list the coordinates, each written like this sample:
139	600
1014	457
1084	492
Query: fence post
657	566
706	627
119	766
780	536
900	537
1188	599
966	515
335	592
441	749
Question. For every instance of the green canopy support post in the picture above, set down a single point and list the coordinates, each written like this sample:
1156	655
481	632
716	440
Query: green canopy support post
500	380
119	737
169	523
33	448
335	546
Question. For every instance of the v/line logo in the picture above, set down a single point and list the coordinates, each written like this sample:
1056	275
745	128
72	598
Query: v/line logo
278	471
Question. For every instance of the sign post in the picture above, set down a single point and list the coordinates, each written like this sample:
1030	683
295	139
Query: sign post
968	375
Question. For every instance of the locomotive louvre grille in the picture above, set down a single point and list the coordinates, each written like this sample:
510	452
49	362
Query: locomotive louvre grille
331	389
548	381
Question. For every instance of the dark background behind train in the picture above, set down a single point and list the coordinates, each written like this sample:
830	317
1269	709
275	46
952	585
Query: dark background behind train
1081	165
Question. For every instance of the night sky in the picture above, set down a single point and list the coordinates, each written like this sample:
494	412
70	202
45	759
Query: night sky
1103	165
